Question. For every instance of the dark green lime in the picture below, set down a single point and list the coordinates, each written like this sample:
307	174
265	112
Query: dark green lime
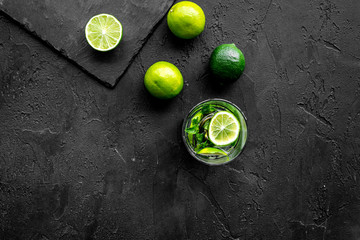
227	62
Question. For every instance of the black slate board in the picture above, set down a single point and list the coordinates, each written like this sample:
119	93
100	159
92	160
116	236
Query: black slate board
68	19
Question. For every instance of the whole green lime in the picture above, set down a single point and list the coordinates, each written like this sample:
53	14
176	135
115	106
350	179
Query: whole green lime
186	20
163	80
227	62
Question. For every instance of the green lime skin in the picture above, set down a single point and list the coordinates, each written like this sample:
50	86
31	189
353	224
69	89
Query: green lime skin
163	80
186	20
227	62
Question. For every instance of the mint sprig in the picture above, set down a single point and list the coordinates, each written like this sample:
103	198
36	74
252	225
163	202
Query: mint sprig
207	109
199	129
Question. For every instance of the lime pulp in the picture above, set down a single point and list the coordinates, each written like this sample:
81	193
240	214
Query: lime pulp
103	32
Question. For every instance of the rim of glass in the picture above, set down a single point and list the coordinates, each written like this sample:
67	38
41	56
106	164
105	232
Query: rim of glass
191	151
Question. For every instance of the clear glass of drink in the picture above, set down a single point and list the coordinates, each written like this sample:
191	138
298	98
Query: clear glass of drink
204	136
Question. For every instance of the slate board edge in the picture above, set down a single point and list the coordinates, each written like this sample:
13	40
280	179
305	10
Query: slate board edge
64	55
53	48
156	25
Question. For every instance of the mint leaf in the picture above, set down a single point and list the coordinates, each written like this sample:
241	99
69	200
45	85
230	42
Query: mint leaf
195	120
200	137
208	109
206	125
192	130
197	148
204	144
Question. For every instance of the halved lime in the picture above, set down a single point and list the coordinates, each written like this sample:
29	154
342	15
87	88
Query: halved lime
224	128
103	32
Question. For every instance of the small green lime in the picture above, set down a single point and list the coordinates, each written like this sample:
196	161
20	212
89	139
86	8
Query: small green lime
186	20
227	62
163	80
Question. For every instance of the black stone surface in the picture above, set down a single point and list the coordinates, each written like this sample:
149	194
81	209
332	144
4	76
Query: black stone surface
80	161
62	23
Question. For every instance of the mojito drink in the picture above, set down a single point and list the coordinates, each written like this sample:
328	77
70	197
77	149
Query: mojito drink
215	131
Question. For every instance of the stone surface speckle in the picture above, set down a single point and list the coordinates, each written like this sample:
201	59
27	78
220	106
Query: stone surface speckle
81	161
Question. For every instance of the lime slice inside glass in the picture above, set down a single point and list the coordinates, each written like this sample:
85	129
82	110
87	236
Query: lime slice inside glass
103	32
214	155
224	128
211	151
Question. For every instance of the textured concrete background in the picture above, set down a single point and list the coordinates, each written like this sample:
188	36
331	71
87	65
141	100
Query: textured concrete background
80	161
